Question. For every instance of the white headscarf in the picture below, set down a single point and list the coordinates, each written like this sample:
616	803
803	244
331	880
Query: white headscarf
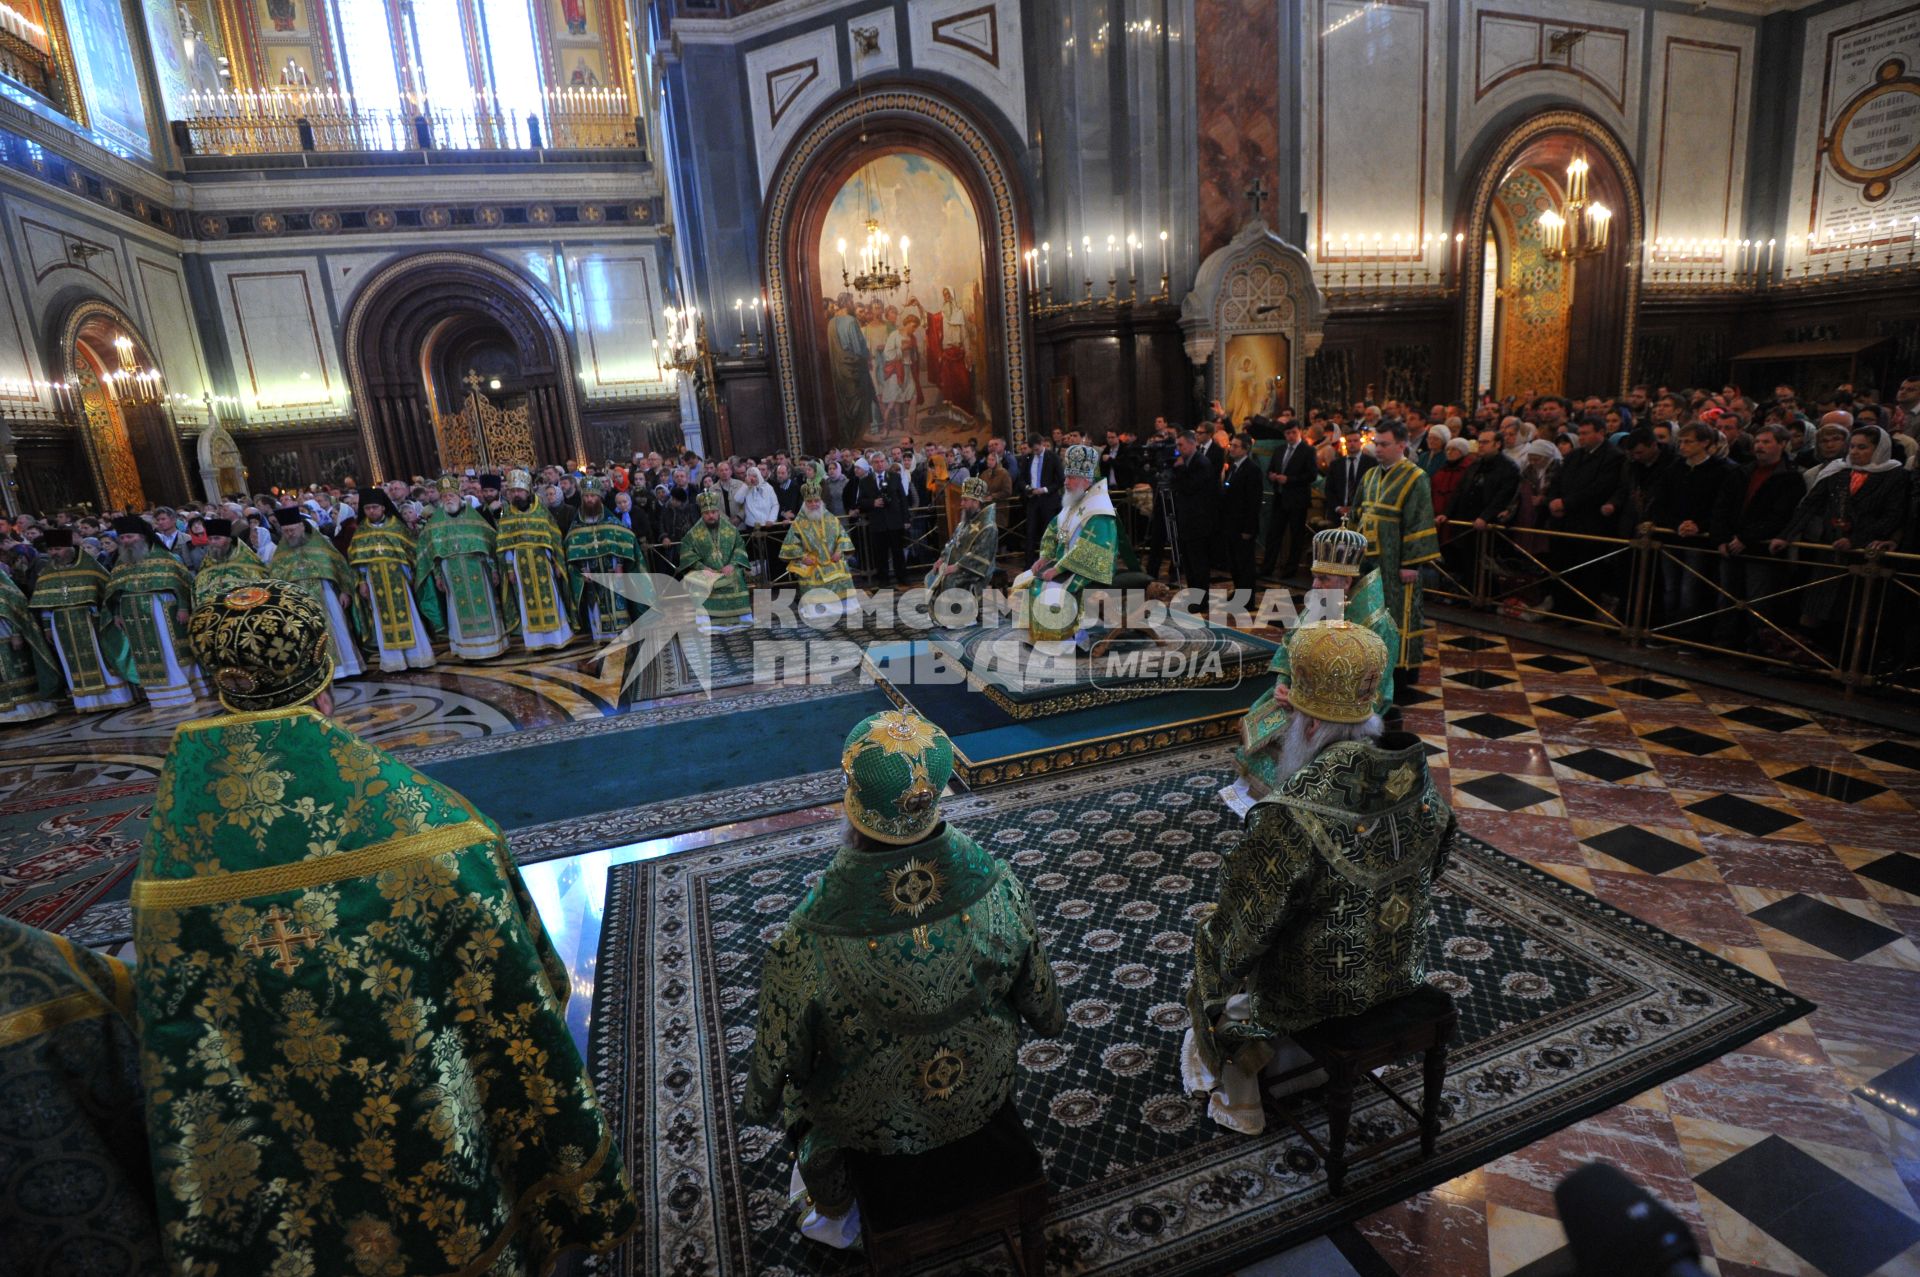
1523	433
1540	448
1882	455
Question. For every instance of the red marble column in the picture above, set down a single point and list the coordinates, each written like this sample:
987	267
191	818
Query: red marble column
1237	101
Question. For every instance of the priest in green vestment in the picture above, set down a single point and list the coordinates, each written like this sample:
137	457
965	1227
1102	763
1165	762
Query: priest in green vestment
382	555
1396	516
713	563
531	557
76	1185
1080	545
1342	589
94	657
966	561
815	552
891	1004
225	564
309	562
455	576
352	1022
1325	901
600	546
29	671
148	599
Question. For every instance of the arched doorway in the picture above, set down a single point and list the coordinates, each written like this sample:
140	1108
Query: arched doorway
421	325
912	130
1557	327
130	440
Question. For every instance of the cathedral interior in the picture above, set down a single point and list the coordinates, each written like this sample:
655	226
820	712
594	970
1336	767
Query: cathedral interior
732	637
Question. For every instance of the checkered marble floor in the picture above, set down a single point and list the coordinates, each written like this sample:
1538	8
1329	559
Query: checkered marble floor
1781	839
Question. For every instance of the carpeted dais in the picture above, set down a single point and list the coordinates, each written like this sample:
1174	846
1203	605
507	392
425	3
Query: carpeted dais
1567	1005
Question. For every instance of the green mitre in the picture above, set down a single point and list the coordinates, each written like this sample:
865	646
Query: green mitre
896	764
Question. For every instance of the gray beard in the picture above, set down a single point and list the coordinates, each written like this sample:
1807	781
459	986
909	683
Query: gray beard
1297	750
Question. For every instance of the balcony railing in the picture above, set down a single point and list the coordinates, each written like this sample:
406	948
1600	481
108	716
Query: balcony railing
282	123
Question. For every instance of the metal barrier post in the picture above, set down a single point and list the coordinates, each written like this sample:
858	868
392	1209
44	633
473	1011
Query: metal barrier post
1482	565
1856	645
1643	575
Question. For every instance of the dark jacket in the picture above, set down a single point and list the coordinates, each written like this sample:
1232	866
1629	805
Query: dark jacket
1338	492
788	495
1643	480
1756	520
1297	491
1692	493
899	502
1586	481
1878	512
1051	475
1196	496
1241	512
1489	491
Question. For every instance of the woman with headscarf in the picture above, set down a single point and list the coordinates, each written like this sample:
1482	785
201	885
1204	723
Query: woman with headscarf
1829	446
1445	479
1859	501
1515	435
1433	450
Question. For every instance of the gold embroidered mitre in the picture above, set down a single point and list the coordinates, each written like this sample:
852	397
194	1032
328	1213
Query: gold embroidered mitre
1337	667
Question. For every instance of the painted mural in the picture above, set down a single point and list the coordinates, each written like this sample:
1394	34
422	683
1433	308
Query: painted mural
1536	292
1255	375
578	37
911	362
103	58
186	50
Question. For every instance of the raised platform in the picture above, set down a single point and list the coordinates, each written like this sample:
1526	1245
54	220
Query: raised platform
1011	719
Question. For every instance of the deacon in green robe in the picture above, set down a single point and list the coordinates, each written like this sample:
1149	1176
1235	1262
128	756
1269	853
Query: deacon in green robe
713	563
308	560
382	556
1396	516
29	671
225	564
76	1186
891	1004
598	546
1341	586
148	598
454	563
352	1022
94	658
815	551
966	562
1080	545
530	554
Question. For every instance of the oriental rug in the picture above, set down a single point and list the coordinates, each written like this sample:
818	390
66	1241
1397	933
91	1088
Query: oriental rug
1568	1006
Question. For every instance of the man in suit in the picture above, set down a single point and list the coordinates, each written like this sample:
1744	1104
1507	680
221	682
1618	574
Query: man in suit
1589	481
1752	512
1350	465
1196	503
1291	474
885	501
1244	491
1038	480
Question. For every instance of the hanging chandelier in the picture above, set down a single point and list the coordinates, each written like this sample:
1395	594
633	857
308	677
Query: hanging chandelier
130	382
877	271
1582	232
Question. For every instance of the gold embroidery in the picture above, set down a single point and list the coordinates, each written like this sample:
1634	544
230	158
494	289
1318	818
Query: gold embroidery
1394	913
914	887
942	1075
1400	782
282	940
210	889
34	1021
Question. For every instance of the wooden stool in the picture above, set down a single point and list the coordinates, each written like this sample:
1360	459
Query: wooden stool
915	1205
1352	1047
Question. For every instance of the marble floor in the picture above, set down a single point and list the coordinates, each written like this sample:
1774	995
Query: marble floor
1782	839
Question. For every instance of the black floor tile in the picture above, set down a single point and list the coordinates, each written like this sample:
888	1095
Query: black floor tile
1894	752
1552	664
1770	720
1832	784
1490	725
1647	852
1844	935
1574	706
1899	871
1651	688
1472	643
1409	696
1743	814
1508	793
1482	679
1897	1091
1688	741
1603	764
1838	1227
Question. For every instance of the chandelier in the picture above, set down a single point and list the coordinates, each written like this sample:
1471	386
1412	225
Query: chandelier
1582	232
877	272
686	339
130	382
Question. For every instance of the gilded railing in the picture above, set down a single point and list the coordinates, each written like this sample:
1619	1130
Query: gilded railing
292	122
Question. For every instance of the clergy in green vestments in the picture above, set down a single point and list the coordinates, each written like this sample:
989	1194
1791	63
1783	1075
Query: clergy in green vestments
225	564
1080	545
382	556
600	546
527	542
308	561
1396	516
94	656
966	562
455	576
29	671
149	596
713	563
352	1024
815	551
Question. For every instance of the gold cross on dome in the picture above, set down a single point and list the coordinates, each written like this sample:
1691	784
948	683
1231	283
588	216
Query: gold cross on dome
283	940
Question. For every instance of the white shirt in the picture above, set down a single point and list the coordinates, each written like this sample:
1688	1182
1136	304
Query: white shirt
1039	469
761	506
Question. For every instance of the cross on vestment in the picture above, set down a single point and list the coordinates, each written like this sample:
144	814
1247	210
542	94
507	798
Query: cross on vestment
282	940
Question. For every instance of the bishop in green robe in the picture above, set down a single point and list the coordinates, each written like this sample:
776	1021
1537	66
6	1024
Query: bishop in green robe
148	598
76	1186
382	556
1338	572
29	671
713	563
1080	545
1396	517
527	542
598	546
353	1029
454	575
891	1004
967	560
94	657
815	551
226	563
308	561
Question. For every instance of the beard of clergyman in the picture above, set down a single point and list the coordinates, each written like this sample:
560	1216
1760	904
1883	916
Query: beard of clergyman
450	505
591	507
522	501
1298	747
133	549
293	534
218	548
813	509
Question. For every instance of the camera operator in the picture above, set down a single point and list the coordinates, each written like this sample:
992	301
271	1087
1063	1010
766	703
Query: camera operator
1157	456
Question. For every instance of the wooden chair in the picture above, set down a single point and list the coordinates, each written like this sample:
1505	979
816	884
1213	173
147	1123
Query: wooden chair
1353	1047
916	1205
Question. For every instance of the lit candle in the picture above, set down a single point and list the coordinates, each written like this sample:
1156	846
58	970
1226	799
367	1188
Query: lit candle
905	244
1165	271
840	245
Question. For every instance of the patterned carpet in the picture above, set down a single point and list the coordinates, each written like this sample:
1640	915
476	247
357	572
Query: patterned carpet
1568	1006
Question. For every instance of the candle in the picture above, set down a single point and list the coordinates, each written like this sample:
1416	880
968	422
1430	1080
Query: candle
758	303
1046	264
1165	272
905	244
